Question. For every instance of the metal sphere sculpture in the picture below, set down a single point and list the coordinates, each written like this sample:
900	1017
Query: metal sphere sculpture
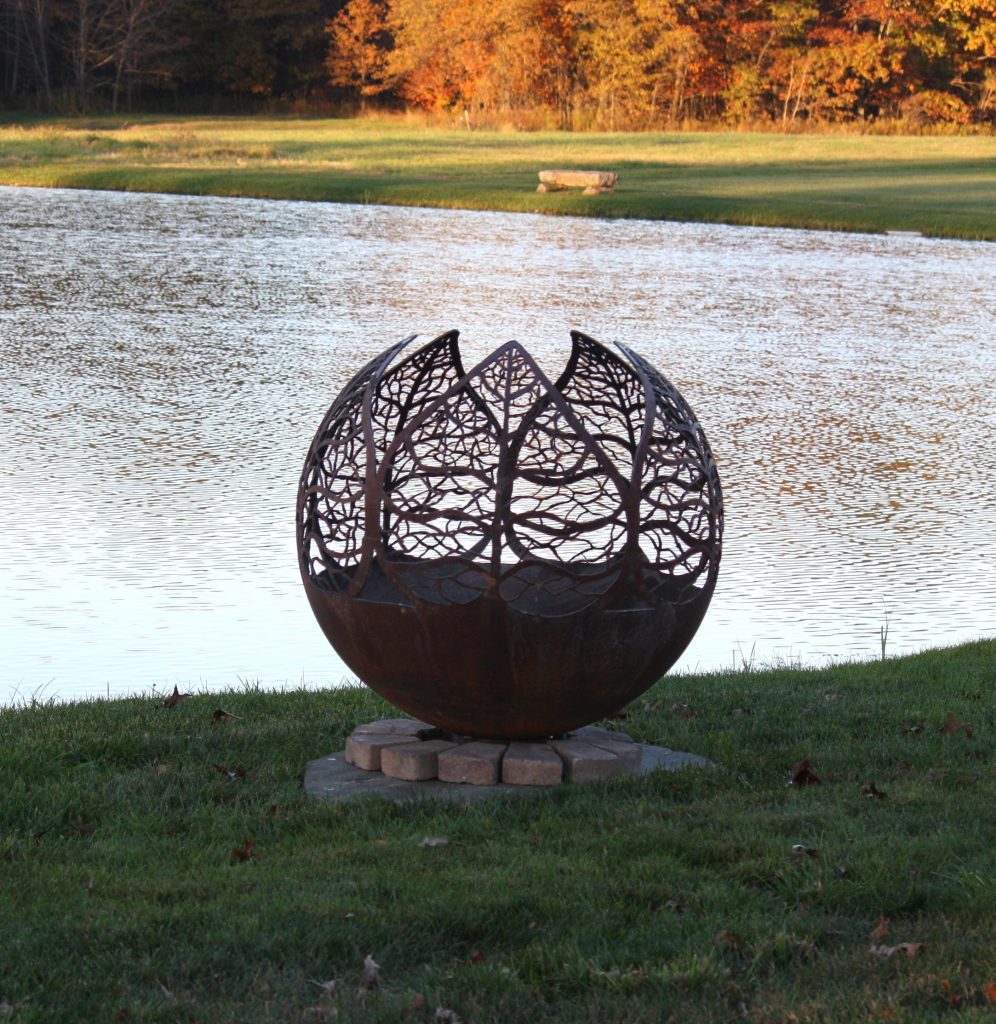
503	556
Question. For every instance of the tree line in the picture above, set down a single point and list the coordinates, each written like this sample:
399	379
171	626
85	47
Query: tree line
576	64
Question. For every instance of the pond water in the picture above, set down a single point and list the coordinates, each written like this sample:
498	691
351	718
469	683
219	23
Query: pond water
167	359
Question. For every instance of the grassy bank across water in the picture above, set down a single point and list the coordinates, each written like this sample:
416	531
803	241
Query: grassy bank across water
158	867
938	185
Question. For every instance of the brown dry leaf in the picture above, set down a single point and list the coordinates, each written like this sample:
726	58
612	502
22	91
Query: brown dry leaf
371	974
477	957
880	930
726	940
799	851
952	725
888	952
418	1001
82	829
989	990
162	769
803	775
221	715
175	697
232	773
622	714
247	851
873	791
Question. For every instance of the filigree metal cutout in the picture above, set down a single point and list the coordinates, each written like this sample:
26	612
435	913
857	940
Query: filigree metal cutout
505	556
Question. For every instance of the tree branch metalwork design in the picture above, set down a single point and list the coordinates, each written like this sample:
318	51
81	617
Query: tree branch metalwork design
515	510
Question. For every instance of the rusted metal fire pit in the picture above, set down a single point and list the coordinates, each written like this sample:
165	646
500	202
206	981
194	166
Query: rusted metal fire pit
504	556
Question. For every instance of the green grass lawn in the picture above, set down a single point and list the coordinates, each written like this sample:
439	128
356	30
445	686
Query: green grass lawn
705	896
939	185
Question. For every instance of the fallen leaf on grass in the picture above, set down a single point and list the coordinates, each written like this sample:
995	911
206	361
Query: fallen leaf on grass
726	940
328	987
888	952
477	957
803	775
432	841
622	713
990	992
799	851
447	1016
232	773
914	728
741	712
175	697
873	791
880	930
418	1001
371	975
80	828
952	725
247	851
221	715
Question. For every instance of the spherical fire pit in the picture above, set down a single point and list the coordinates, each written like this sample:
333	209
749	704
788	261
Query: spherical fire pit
503	556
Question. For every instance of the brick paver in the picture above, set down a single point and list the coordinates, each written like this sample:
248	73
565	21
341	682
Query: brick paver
477	763
413	762
531	764
364	751
584	762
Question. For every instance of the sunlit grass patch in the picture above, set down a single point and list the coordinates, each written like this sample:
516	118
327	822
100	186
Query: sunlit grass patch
941	185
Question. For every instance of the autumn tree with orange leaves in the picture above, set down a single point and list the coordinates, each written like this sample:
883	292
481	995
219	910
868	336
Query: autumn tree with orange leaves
576	64
655	63
359	48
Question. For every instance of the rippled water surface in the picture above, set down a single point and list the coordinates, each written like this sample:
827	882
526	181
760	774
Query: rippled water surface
166	361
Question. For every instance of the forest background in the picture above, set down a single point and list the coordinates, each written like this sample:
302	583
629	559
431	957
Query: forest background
528	64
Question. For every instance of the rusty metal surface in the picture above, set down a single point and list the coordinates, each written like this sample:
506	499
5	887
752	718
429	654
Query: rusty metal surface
502	555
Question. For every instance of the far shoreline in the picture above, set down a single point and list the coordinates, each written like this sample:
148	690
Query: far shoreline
932	186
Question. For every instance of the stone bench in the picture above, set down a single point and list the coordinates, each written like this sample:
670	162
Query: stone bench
593	182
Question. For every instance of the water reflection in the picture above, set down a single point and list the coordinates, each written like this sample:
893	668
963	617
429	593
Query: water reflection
166	360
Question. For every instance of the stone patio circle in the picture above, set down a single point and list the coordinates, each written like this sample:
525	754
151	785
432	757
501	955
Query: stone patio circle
400	758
